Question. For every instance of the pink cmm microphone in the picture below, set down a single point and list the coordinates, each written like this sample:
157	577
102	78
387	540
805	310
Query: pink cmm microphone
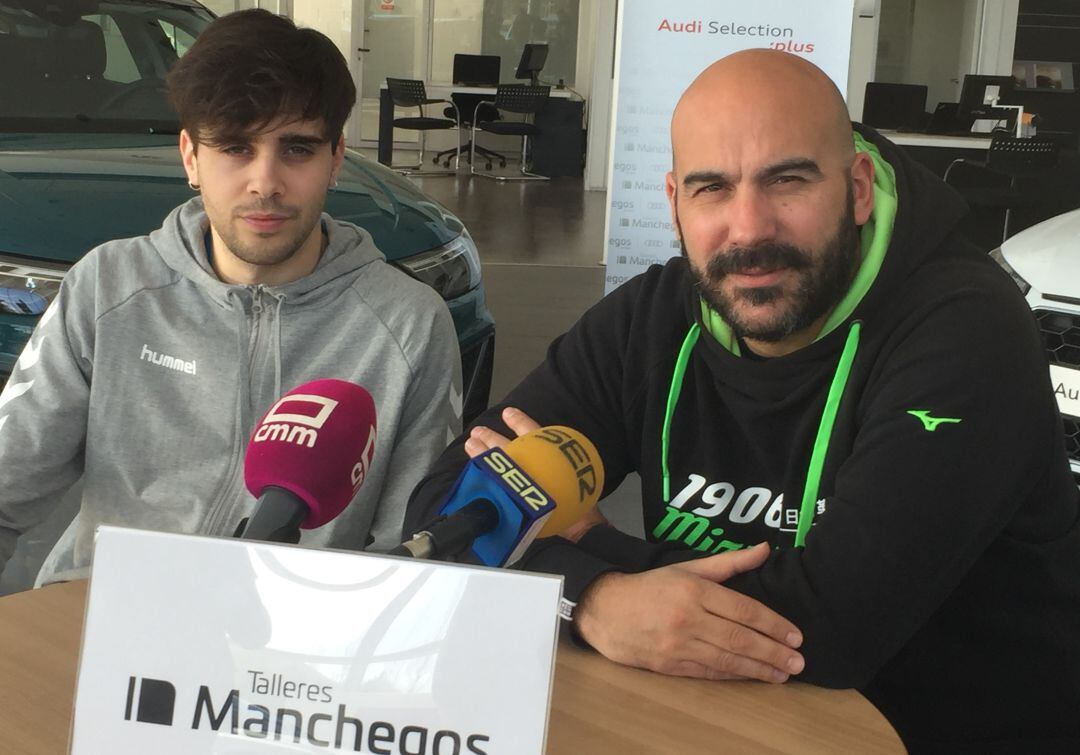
307	458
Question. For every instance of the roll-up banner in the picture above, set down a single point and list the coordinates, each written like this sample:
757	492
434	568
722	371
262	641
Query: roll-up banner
660	49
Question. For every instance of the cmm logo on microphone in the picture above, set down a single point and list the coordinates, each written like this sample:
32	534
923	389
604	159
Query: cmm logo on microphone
296	419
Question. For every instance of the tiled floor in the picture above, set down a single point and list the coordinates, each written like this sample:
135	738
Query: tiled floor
540	245
548	223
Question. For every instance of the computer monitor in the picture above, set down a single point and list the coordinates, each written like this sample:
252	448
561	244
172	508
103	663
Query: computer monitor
894	105
477	70
533	57
978	94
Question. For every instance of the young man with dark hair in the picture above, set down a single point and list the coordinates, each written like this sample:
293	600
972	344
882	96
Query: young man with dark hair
253	291
853	469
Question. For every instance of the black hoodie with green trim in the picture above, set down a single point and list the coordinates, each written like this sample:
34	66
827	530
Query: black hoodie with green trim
941	576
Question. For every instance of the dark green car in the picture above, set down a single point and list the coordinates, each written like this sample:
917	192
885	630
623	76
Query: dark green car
88	153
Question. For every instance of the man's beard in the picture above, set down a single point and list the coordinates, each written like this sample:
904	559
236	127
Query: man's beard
823	279
272	250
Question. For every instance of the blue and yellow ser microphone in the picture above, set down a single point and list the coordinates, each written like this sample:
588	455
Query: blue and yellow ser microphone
537	486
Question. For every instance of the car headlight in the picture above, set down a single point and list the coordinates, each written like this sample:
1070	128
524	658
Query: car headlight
28	286
451	269
999	258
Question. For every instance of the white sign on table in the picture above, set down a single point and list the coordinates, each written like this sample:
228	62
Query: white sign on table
660	49
209	645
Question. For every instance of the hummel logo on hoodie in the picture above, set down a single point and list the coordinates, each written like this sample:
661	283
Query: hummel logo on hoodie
166	361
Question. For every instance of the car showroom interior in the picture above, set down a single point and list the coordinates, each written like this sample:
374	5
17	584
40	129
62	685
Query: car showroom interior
551	187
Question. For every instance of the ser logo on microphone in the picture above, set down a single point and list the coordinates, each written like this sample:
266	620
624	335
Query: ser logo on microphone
361	467
513	476
577	455
296	419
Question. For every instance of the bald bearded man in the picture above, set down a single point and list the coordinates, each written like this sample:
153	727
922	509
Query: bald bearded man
828	369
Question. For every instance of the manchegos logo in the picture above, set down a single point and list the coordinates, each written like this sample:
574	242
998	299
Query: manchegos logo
154	701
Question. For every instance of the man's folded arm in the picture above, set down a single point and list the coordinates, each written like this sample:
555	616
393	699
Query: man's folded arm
914	508
581	385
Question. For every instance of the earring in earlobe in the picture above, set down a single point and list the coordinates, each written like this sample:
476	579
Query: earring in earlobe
193	186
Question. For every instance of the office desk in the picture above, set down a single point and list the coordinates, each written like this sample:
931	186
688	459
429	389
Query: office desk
937	151
1058	189
561	142
939	141
597	706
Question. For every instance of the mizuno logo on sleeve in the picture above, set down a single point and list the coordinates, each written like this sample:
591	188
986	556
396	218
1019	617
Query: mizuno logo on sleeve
930	424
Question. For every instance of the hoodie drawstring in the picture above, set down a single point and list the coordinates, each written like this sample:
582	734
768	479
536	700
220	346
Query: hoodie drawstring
821	442
824	434
673	399
243	336
279	303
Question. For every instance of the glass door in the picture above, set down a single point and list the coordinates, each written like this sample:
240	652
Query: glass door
341	21
395	33
929	42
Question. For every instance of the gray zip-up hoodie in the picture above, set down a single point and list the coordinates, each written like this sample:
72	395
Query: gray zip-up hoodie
146	375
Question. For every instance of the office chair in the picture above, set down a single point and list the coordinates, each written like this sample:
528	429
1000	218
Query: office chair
523	99
467	103
1008	157
410	93
473	71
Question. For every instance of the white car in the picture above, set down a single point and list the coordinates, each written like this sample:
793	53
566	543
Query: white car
1044	260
